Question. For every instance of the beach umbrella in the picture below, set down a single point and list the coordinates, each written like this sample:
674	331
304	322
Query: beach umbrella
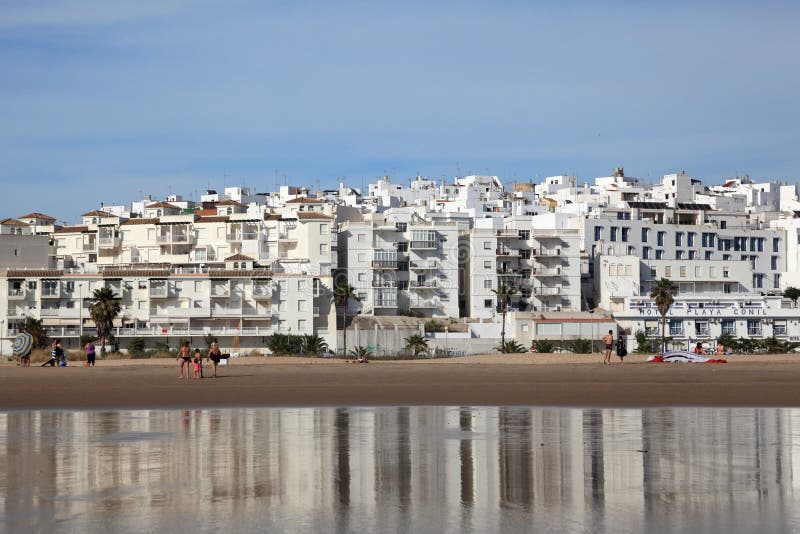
22	344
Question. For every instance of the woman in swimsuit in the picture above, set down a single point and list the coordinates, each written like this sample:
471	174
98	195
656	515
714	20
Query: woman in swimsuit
185	357
214	355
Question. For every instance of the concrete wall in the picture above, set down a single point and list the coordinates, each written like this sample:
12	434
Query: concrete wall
20	251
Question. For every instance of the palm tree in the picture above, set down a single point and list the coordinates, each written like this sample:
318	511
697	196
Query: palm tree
36	329
342	296
664	294
362	354
792	293
416	343
313	344
104	309
512	345
504	293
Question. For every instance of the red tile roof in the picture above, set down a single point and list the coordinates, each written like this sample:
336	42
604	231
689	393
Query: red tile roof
161	204
37	215
304	200
97	213
71	229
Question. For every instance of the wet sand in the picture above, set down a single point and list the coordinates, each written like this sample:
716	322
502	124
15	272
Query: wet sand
541	380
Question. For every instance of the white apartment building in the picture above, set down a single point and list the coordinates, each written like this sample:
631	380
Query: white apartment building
401	264
541	264
181	274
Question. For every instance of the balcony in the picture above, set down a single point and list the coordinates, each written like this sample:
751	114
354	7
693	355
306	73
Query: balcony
237	237
108	242
287	237
425	303
427	284
508	234
89	245
384	264
262	291
424	245
16	294
51	292
174	239
386	303
220	290
545	273
159	291
384	283
507	252
226	312
424	266
547	252
49	312
543	291
509	272
316	311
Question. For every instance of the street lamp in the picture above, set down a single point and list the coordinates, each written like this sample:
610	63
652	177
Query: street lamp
446	329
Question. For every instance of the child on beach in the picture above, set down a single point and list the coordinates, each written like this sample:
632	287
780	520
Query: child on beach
198	364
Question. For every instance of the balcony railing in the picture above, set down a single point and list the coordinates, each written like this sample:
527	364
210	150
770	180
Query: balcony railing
384	283
547	252
386	303
108	242
286	236
51	292
384	264
416	284
541	272
242	236
262	291
174	239
424	245
159	292
16	293
546	291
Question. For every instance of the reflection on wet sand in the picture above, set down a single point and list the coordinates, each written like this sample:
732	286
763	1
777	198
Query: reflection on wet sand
408	468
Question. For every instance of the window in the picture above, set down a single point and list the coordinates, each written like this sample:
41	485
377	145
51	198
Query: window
692	254
698	272
487	284
302	325
729	327
598	233
200	254
712	272
774	263
362	277
402	246
753	243
524	234
701	328
660	238
302	305
402	284
668	271
754	327
282	305
625	232
726	272
401	227
708	240
678	239
678	254
708	254
723	224
487	264
683	271
779	328
324	228
726	257
402	266
659	254
726	288
758	281
653	273
646	253
776	281
776	244
488	303
362	257
645	234
690	239
360	237
614	233
487	245
323	249
675	327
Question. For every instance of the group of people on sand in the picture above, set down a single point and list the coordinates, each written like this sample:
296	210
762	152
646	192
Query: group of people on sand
194	361
58	356
699	349
608	342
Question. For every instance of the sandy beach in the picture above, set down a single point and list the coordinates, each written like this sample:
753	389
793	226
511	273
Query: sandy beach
543	380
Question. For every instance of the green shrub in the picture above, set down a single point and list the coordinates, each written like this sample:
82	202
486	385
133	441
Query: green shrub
582	346
285	344
511	346
543	345
136	347
643	344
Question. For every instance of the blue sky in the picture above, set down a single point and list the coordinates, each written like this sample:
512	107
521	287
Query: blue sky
101	100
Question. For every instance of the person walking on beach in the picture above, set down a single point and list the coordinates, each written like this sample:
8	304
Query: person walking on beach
608	341
198	364
185	357
622	350
214	355
90	353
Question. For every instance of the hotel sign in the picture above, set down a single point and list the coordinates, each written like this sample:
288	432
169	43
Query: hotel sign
706	312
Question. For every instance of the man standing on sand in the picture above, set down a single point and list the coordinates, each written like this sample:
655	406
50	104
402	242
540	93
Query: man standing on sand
608	341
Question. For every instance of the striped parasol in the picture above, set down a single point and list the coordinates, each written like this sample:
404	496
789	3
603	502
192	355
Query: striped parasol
22	344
